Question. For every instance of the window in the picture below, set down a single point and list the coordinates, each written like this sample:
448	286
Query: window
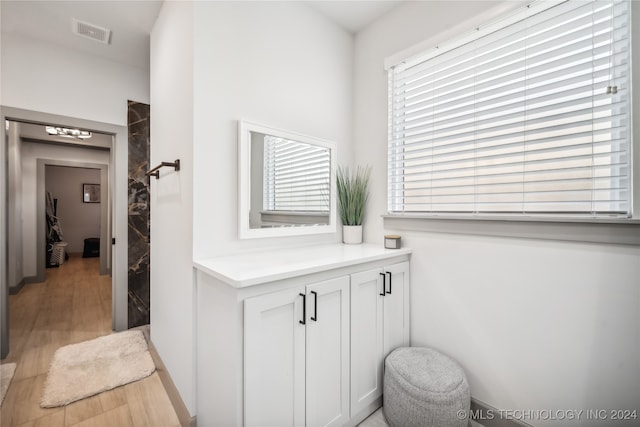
296	176
529	116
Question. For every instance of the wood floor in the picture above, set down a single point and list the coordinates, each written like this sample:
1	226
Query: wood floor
72	305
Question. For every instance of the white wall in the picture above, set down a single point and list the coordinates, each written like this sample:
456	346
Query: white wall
537	324
78	220
172	295
275	63
44	77
279	64
31	152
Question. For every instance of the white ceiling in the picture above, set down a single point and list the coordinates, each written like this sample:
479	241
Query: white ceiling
353	15
131	22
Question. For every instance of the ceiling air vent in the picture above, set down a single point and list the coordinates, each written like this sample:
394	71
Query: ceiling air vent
90	31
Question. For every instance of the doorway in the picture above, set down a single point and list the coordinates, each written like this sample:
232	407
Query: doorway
31	150
113	208
81	224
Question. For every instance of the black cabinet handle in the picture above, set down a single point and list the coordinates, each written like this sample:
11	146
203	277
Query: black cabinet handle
384	284
304	309
315	306
389	273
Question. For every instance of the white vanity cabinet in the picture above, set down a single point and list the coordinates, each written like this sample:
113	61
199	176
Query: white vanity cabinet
297	337
379	324
296	356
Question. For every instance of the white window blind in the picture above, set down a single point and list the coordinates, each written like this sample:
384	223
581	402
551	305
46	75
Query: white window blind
519	120
296	176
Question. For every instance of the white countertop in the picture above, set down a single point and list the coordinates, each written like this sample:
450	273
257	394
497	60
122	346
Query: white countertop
253	268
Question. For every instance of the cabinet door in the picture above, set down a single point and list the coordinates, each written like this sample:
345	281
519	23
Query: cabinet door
328	353
366	338
396	307
274	359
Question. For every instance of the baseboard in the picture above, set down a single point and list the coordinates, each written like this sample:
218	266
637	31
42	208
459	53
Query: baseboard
25	280
185	418
13	290
488	416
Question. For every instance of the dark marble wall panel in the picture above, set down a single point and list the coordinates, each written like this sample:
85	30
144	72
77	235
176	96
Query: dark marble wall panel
139	220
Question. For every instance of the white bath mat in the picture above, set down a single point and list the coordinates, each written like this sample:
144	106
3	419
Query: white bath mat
88	368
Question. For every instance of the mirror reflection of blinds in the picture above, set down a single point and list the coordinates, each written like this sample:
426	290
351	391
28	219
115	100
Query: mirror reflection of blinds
296	176
531	118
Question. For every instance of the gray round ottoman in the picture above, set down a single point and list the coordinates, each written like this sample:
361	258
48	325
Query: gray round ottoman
423	387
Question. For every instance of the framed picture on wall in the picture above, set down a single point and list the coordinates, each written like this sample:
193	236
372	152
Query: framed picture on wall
91	193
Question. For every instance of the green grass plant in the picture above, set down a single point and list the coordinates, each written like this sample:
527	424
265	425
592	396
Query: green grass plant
353	193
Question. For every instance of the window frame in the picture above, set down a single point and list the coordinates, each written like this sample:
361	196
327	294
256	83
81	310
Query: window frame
577	228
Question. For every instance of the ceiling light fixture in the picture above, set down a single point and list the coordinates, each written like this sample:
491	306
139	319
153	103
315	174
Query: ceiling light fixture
68	133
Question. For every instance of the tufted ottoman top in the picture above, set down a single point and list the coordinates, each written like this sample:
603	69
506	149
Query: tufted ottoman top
425	370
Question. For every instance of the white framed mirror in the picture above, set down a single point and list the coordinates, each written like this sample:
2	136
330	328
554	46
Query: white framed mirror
286	185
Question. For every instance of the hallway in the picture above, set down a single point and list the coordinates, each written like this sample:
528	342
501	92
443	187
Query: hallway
72	305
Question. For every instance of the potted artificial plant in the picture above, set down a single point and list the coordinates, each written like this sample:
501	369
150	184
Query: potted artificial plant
353	193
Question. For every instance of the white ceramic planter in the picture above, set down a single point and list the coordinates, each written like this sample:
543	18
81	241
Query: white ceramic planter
352	234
